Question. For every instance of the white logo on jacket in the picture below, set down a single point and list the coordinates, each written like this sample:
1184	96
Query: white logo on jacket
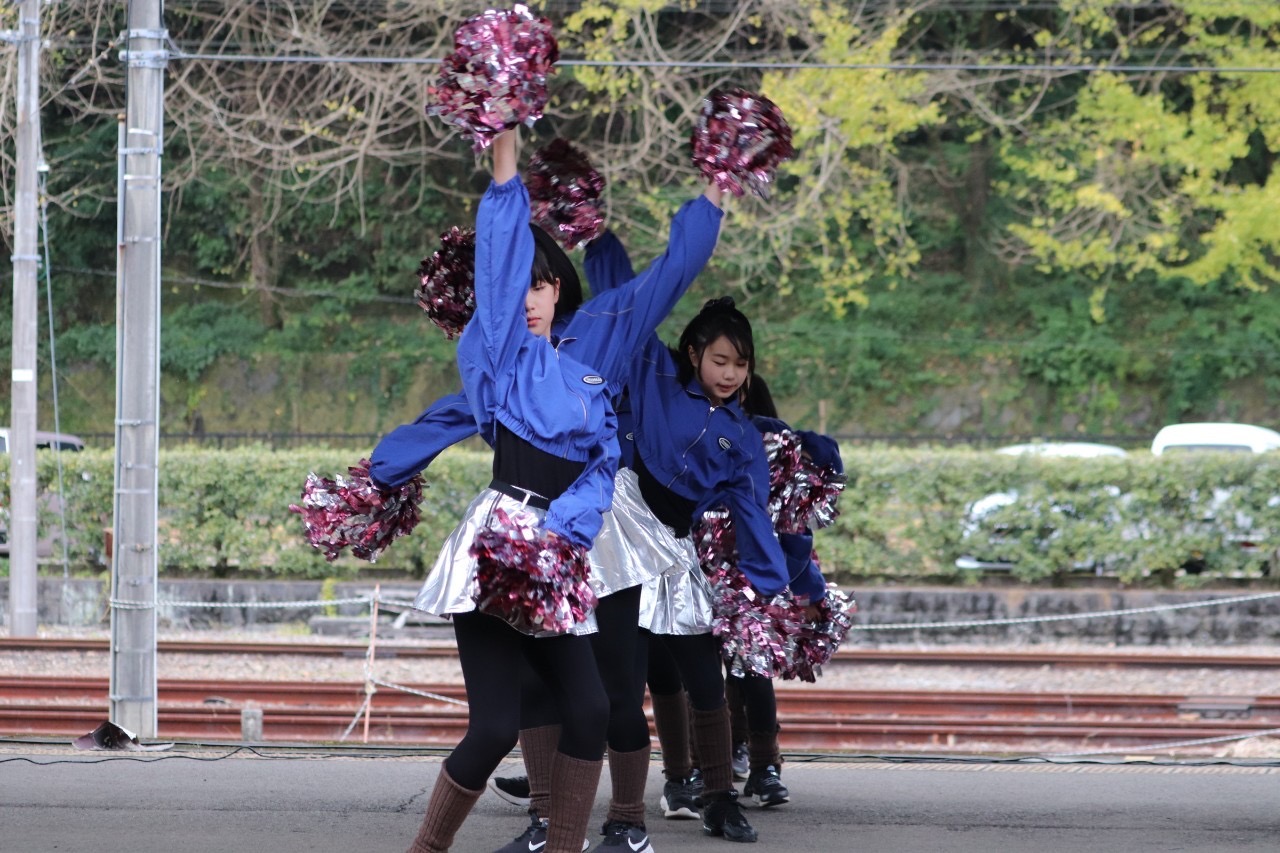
725	444
592	379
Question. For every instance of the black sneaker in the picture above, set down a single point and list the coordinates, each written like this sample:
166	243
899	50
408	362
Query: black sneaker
679	801
766	788
621	835
741	761
721	815
513	789
533	839
696	784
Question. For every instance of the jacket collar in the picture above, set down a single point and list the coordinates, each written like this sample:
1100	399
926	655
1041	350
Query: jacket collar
694	389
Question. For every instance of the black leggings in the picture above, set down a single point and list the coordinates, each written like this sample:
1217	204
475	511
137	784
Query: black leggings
691	661
621	660
760	701
493	657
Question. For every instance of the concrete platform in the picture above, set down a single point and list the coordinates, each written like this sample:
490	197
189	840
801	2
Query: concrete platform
216	799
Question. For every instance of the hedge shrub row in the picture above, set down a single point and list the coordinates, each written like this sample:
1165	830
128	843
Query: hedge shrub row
903	514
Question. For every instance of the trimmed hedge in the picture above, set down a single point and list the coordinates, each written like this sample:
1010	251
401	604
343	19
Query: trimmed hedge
903	515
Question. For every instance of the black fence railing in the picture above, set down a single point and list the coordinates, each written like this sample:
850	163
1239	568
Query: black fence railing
366	440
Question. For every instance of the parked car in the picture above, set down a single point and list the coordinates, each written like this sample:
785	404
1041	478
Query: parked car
44	441
1214	437
980	512
1222	438
1220	526
1060	449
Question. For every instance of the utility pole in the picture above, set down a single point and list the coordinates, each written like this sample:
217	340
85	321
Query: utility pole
23	592
133	587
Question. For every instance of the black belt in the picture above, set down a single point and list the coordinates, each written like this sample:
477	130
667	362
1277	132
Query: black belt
525	496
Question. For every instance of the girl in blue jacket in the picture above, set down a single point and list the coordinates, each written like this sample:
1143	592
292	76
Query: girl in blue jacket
695	449
751	698
549	420
604	333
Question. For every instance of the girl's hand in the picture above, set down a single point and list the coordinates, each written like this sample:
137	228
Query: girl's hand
713	194
812	613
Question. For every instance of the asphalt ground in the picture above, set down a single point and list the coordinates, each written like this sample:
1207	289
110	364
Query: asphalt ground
230	798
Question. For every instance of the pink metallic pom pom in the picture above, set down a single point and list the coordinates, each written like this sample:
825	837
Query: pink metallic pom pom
447	282
530	577
801	494
745	621
353	512
769	637
565	189
812	644
739	140
496	77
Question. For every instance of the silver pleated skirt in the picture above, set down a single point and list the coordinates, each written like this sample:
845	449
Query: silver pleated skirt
633	546
678	603
452	582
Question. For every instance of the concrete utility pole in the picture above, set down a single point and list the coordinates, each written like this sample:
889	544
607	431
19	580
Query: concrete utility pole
22	426
133	587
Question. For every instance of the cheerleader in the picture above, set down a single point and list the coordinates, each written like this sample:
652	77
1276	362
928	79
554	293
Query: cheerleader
694	450
750	695
549	420
605	332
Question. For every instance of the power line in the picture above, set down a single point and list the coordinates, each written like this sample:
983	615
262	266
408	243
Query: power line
180	55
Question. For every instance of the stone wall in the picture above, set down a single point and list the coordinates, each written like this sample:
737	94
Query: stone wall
1039	613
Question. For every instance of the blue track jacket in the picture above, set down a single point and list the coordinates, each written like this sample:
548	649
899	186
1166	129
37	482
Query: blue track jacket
679	436
521	381
606	332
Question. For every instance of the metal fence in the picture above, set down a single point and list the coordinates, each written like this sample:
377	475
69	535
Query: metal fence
366	440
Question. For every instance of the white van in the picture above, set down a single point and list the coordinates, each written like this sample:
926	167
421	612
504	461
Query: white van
1221	438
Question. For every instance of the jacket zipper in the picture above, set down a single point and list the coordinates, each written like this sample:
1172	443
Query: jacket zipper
684	457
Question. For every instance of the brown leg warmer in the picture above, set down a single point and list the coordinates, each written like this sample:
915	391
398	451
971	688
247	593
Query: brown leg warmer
538	746
671	720
763	747
715	748
449	806
628	773
573	793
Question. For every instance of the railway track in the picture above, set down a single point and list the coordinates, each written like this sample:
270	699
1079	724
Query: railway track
445	649
812	719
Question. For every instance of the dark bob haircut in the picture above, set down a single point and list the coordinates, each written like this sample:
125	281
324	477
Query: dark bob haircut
551	263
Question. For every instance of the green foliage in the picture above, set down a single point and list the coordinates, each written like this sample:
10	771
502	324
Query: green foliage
1135	518
1041	252
226	513
202	333
1143	172
904	515
329	592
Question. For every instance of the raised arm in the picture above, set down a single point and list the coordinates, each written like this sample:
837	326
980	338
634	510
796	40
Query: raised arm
494	339
607	264
504	256
612	326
